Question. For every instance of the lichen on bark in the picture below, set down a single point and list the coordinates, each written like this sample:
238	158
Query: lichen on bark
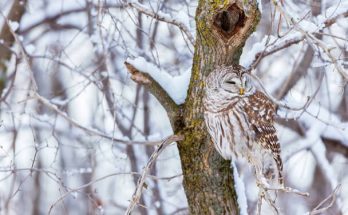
222	29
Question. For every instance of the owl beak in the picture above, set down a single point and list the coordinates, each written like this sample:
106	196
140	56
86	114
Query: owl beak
241	91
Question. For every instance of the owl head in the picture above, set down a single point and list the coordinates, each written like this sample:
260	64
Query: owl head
230	81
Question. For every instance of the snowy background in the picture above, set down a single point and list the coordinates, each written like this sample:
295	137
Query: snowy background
76	131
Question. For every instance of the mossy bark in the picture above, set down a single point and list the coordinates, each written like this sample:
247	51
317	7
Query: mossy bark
222	29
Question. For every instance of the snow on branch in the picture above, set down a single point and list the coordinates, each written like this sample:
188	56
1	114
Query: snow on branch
240	189
328	124
261	49
309	35
160	16
146	73
271	44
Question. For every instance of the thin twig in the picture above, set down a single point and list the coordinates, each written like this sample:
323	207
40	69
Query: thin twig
61	113
273	49
319	209
141	182
87	184
280	103
163	18
312	40
289	42
23	52
89	130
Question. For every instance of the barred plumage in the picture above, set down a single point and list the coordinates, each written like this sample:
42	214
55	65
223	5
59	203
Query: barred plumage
240	121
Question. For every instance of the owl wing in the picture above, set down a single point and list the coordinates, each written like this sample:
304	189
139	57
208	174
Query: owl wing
261	113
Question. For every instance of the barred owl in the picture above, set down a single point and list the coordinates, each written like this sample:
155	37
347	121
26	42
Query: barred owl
240	121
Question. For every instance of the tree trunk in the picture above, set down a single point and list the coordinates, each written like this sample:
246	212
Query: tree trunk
222	29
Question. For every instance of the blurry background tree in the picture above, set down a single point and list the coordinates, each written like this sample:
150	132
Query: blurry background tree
76	131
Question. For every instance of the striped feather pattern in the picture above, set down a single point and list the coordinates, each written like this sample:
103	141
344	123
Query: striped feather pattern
243	126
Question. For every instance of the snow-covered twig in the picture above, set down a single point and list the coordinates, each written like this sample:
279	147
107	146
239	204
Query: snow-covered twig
312	40
53	107
141	182
332	134
163	18
327	51
273	49
285	43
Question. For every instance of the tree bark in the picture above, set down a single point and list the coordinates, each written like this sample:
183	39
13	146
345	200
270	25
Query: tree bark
222	29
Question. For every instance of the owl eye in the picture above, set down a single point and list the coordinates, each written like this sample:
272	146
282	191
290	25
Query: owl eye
230	82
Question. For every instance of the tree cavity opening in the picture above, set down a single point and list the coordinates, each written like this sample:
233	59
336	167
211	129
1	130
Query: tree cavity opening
228	22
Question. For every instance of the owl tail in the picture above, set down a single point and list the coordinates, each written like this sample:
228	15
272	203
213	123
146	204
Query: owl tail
272	170
279	163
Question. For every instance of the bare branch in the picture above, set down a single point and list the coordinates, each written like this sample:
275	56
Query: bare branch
163	18
162	96
51	20
15	14
273	49
312	40
289	42
146	170
53	107
333	20
284	104
61	113
307	142
332	198
87	184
